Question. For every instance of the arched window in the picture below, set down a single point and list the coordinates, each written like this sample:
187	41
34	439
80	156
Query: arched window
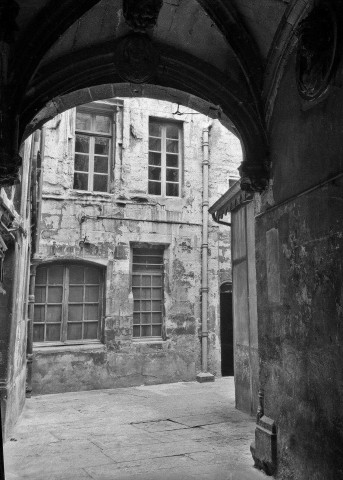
68	303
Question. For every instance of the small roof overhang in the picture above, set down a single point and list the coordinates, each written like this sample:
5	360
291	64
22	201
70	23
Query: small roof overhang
232	199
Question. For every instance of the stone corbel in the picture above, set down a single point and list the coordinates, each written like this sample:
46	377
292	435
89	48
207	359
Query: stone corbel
254	176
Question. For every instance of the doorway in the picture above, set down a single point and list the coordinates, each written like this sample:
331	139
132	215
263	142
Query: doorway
226	329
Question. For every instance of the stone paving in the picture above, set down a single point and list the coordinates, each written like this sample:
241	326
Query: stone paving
179	431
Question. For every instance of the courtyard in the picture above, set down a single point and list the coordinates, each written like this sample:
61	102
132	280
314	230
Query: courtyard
178	431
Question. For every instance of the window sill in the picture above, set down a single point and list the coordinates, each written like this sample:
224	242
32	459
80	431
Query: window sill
148	340
63	348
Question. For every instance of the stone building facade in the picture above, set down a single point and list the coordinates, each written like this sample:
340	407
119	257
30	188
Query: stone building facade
118	287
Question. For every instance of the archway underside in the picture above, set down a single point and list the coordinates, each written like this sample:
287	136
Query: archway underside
35	83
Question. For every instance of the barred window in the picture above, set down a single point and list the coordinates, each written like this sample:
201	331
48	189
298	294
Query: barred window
67	303
147	288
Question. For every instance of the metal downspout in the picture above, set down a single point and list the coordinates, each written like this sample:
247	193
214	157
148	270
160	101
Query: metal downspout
204	375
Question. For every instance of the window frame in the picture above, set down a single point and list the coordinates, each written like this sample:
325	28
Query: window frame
64	305
164	123
93	110
154	249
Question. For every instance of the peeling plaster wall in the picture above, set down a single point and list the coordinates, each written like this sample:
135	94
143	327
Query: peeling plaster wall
129	215
13	301
299	251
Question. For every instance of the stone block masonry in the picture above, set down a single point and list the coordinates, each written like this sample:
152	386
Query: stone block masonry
104	229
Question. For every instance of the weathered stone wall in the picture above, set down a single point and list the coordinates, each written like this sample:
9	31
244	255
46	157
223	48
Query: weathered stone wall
13	299
111	223
299	263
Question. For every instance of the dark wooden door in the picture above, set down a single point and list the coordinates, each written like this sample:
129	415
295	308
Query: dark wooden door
226	329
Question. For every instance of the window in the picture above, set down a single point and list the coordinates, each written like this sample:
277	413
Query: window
93	134
147	289
67	303
164	158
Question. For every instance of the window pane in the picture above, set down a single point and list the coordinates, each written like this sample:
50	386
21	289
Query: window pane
145	293
155	144
172	146
136	293
172	175
156	293
92	294
54	313
146	318
172	131
80	181
40	294
136	305
102	124
172	160
92	275
172	189
74	331
75	313
38	333
75	274
154	129
101	164
81	162
136	331
55	275
136	279
75	294
145	306
136	319
154	173
101	146
53	332
156	317
156	306
55	294
91	312
156	330
157	281
39	315
82	143
154	158
41	276
146	280
100	183
146	331
83	121
154	188
90	330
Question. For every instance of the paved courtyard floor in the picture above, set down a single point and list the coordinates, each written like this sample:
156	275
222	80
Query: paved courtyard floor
178	431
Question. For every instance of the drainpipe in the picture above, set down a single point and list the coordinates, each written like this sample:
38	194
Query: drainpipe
36	141
204	375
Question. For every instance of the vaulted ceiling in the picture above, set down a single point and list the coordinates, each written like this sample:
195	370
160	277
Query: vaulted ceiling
217	50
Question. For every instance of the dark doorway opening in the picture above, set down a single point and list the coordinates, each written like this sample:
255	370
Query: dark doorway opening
226	329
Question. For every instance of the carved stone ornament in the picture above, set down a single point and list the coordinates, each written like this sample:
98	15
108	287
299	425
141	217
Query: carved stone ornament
135	58
317	50
9	171
141	14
